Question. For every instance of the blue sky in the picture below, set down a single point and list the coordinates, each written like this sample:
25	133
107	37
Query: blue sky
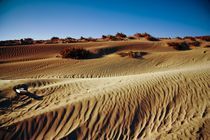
42	19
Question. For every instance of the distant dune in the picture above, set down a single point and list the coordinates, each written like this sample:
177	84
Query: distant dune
164	94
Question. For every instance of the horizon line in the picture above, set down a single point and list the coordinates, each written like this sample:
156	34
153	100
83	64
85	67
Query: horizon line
86	36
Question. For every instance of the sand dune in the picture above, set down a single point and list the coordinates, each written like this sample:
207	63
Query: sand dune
164	95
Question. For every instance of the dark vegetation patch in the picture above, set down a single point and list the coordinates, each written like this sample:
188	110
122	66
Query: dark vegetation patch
133	54
146	36
89	39
109	38
179	38
195	43
204	38
76	53
10	43
179	45
190	38
120	36
117	37
54	40
25	41
81	53
141	35
151	38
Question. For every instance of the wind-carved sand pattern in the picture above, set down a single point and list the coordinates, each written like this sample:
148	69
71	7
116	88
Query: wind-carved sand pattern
163	95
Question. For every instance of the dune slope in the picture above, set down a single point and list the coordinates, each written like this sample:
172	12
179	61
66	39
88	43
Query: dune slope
164	95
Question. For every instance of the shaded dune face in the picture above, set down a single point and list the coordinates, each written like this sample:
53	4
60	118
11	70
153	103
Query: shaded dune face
130	102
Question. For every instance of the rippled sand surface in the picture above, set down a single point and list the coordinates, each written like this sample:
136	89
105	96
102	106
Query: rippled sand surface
163	95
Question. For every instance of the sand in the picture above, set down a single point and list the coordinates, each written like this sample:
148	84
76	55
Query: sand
163	95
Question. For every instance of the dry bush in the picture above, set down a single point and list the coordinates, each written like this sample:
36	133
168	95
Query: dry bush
54	40
82	39
40	42
179	46
139	35
151	38
27	41
146	36
205	38
179	38
195	43
111	38
90	39
120	36
104	37
165	38
10	43
133	54
76	53
70	40
190	38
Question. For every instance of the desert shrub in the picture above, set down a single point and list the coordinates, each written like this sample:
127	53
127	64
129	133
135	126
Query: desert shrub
190	38
164	38
133	54
39	41
146	36
10	43
54	40
26	41
120	35
70	40
76	53
151	38
111	38
139	35
195	43
179	38
82	38
205	38
179	46
90	39
104	37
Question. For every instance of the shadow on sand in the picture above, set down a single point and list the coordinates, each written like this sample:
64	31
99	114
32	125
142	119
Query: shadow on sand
23	90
